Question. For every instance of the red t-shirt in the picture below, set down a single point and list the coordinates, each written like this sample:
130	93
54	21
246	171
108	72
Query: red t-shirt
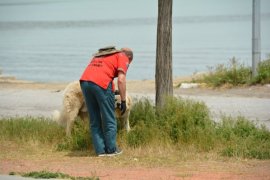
103	69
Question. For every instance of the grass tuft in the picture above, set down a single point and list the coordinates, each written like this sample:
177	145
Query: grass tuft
79	139
25	129
243	139
235	74
52	175
263	76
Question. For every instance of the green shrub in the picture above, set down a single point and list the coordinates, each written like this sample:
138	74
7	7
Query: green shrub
45	131
143	121
187	122
181	123
142	111
27	129
234	73
241	138
54	175
79	139
139	136
263	76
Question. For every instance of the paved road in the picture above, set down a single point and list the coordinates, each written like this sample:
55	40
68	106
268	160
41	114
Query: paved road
15	102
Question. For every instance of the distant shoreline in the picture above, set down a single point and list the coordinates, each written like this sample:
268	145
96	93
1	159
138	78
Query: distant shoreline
132	85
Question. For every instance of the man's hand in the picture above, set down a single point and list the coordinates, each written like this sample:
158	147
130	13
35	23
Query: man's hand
123	107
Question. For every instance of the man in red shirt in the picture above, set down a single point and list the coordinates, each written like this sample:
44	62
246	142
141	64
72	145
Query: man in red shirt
98	90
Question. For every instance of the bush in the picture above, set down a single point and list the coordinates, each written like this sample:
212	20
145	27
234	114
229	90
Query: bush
142	112
53	175
182	123
144	122
187	122
233	74
79	139
263	76
243	139
30	129
43	131
179	122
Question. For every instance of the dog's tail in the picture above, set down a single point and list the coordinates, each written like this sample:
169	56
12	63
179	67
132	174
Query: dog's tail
58	117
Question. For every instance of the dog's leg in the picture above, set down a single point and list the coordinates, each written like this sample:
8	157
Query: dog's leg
70	121
84	116
126	120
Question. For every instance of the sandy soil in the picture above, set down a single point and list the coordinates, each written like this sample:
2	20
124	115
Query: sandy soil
23	98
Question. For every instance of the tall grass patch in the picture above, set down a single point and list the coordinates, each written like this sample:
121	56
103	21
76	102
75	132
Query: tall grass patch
263	76
182	125
242	138
186	124
26	129
43	131
180	122
234	73
80	138
143	121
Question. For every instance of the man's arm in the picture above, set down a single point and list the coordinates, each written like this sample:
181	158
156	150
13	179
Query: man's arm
122	85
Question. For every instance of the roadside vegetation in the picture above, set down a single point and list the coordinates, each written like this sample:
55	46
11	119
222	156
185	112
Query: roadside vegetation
51	175
236	74
182	126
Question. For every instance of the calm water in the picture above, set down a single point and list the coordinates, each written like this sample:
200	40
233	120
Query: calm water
52	41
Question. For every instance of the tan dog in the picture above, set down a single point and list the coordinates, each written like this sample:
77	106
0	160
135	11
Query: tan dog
74	106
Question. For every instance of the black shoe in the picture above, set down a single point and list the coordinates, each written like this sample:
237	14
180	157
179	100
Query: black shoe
115	153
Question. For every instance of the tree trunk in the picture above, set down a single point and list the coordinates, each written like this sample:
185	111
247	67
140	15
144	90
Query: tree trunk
164	84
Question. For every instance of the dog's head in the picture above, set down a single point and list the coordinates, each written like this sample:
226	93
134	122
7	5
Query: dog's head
117	100
117	105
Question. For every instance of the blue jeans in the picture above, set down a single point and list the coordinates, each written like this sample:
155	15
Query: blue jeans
100	105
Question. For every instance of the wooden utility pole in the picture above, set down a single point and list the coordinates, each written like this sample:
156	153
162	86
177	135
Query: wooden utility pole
164	83
256	37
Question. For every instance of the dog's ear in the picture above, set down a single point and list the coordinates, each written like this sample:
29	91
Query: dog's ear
116	92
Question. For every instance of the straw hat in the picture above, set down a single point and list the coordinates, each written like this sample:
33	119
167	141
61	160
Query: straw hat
106	51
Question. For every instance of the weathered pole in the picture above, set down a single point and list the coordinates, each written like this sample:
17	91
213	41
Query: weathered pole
256	36
164	83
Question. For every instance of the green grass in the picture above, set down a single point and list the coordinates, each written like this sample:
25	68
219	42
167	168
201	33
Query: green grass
236	74
183	125
27	129
243	139
52	175
263	76
42	131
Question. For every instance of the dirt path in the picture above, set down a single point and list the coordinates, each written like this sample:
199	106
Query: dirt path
128	167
